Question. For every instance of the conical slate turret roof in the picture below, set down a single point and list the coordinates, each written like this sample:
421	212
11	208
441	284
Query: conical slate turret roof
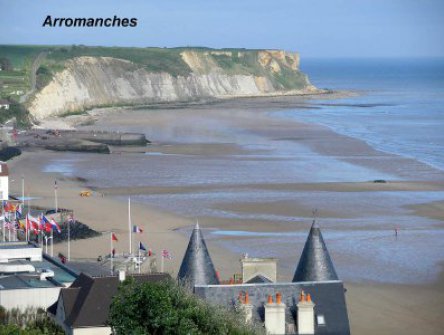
315	263
197	267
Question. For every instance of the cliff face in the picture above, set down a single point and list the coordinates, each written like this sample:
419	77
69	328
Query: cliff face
87	82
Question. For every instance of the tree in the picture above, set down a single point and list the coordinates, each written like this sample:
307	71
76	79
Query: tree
5	64
165	308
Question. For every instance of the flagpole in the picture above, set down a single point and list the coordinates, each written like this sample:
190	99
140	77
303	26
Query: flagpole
9	229
23	191
29	211
162	263
140	263
55	197
69	236
26	227
129	226
111	251
4	222
52	242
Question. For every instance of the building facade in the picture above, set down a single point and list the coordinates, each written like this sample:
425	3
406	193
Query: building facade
312	303
4	181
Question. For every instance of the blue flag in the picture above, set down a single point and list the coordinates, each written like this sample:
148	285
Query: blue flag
141	246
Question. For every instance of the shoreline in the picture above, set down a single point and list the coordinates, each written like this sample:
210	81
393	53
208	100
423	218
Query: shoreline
90	115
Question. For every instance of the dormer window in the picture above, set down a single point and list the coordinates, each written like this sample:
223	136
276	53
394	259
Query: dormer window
320	320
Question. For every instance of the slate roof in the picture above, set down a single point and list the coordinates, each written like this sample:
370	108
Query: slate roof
328	297
92	269
87	301
197	267
315	263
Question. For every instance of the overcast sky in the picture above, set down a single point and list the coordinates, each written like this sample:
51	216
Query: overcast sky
315	28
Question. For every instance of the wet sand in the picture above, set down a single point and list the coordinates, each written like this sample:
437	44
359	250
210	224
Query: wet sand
374	307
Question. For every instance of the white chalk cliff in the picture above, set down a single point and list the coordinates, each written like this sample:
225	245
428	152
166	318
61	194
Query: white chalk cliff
87	82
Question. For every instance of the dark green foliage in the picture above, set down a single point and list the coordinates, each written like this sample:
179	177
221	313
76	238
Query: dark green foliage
164	308
29	322
19	55
44	326
47	327
18	111
153	59
291	80
240	64
44	76
5	64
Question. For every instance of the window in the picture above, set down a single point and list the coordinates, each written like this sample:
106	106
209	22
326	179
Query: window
321	320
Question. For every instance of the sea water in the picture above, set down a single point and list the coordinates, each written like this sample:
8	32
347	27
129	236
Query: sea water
400	109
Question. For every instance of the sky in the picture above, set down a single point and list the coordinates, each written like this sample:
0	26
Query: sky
315	28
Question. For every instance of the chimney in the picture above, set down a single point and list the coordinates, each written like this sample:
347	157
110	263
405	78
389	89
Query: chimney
122	275
246	307
306	324
275	315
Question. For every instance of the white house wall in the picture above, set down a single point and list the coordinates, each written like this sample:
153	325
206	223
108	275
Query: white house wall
92	331
4	188
33	297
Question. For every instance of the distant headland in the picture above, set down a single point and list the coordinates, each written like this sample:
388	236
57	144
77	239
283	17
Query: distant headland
66	80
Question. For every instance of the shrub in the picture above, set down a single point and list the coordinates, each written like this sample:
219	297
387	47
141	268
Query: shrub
165	308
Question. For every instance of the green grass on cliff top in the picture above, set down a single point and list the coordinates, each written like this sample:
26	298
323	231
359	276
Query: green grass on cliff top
153	59
242	61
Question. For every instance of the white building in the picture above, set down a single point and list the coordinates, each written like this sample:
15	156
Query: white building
4	181
28	278
4	104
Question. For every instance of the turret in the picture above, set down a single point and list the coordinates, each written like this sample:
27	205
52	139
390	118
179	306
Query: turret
315	263
197	267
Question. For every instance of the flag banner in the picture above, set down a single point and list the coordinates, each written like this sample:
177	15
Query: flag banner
21	224
55	225
44	224
32	223
137	230
8	207
166	254
19	211
141	246
114	237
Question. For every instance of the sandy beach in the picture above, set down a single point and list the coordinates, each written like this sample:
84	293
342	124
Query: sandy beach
374	307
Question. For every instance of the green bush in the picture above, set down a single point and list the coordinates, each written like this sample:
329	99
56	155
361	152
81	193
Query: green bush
44	76
18	111
31	321
164	308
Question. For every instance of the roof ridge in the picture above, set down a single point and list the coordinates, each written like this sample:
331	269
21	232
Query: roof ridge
83	294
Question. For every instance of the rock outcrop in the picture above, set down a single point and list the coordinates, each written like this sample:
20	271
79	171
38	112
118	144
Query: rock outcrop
87	82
